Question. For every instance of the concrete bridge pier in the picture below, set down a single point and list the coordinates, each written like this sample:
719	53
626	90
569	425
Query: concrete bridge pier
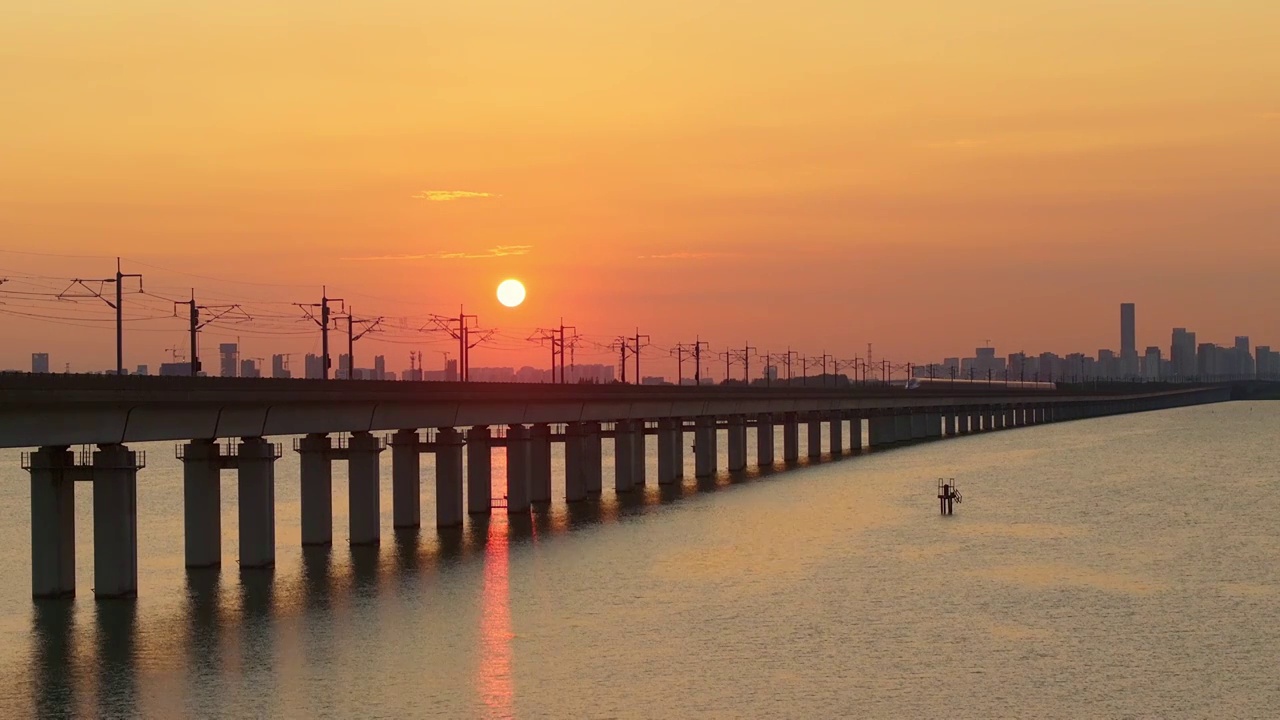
519	466
855	434
669	439
677	447
919	426
115	521
202	503
593	459
53	522
316	490
764	440
479	470
623	462
1010	417
836	434
449	495
406	479
880	431
949	424
814	444
364	497
902	427
790	437
540	464
704	446
639	454
737	443
575	471
933	425
256	484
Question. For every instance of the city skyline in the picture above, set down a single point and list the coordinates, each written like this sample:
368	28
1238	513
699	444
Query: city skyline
1105	363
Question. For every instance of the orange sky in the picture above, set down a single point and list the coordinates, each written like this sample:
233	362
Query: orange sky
920	175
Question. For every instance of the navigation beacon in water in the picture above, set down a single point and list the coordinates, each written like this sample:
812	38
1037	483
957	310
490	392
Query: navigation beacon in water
948	493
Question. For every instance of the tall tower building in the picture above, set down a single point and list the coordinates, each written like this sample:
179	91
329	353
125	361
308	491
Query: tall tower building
39	362
1128	342
229	354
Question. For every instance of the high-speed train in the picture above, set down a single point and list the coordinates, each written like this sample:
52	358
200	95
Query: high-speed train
940	383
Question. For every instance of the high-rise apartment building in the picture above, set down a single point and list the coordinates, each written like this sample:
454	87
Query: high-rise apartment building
1182	354
229	353
39	362
1128	342
278	366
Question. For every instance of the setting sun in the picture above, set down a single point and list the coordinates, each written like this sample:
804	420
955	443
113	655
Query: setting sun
511	293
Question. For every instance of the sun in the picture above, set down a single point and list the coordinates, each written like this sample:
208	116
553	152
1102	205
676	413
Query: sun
511	292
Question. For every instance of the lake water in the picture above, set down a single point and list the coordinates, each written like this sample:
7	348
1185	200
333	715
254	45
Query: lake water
1118	567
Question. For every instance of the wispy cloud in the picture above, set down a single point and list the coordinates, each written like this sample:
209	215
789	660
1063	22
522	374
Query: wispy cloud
493	252
447	195
499	251
959	144
682	256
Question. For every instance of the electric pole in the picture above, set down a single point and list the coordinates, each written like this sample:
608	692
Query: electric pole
118	305
747	351
636	348
697	360
679	351
352	337
194	326
323	322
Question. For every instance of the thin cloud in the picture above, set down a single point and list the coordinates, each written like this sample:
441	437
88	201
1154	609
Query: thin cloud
682	256
493	252
448	195
959	144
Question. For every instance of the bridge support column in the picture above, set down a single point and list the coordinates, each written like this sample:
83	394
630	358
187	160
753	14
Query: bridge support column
575	471
933	425
540	463
115	521
902	427
449	495
669	439
53	523
202	503
790	437
677	446
479	471
764	440
737	436
919	425
880	431
519	477
989	419
406	479
855	434
814	439
364	497
836	429
639	454
256	484
1010	417
704	446
316	489
623	462
593	459
949	424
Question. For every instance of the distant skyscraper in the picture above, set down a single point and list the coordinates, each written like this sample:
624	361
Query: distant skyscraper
379	367
1182	354
278	369
1128	342
1243	358
39	362
249	369
229	354
1151	363
314	367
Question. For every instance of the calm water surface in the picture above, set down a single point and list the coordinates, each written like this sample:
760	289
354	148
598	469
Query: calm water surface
1120	567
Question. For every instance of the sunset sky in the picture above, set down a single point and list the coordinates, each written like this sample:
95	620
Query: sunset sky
923	176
